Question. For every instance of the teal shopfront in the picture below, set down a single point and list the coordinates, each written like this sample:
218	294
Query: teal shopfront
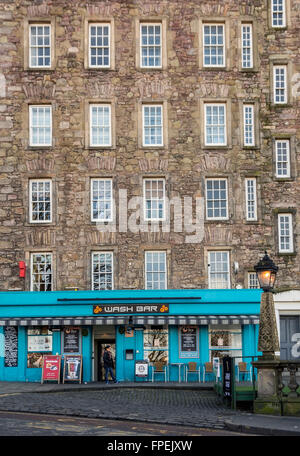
174	327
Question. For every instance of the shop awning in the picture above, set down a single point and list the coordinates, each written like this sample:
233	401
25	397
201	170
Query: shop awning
135	320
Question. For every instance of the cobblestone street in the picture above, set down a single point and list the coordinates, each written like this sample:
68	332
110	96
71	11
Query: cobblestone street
192	408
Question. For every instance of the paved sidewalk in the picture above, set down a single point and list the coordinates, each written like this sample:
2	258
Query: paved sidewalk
196	405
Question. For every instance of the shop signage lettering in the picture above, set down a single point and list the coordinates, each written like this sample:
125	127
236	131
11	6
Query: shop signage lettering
160	308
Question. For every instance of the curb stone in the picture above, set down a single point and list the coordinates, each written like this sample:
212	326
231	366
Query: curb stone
246	429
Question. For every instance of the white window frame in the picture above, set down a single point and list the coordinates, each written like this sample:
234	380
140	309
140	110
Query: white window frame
206	198
252	201
212	105
149	24
100	105
31	268
276	67
288	161
31	202
100	24
290	233
249	124
283	25
108	219
158	272
112	269
161	126
253	280
249	46
38	46
210	282
154	219
31	107
205	24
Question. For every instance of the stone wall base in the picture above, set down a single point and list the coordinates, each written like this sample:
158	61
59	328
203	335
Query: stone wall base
291	407
272	406
267	406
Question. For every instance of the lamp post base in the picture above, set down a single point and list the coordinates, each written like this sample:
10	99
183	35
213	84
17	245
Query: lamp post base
268	400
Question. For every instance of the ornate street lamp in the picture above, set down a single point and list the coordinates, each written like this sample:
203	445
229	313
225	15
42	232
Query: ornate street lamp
268	342
266	273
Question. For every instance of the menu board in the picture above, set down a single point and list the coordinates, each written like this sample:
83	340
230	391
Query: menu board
188	342
72	368
71	340
51	368
11	346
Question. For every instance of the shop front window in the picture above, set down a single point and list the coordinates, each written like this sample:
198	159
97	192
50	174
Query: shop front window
39	341
225	342
156	344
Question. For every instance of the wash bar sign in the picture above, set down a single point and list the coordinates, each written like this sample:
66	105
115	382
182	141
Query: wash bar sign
128	309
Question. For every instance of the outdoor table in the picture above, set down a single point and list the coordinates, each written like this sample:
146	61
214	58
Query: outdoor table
179	369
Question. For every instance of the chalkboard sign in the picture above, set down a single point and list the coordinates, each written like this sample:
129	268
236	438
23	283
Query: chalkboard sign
227	377
72	368
188	342
11	346
71	340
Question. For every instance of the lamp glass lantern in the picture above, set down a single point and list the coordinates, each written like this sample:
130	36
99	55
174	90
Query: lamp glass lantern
266	271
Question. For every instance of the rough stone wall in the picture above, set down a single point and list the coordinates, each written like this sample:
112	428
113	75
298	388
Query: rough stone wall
184	162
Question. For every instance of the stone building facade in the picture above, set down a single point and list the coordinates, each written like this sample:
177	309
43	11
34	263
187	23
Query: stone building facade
226	88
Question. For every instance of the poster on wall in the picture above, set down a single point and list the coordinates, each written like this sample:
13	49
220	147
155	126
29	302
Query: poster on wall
34	360
188	342
51	368
72	368
11	346
71	340
39	343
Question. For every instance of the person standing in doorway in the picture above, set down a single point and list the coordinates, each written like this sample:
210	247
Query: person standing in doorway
108	364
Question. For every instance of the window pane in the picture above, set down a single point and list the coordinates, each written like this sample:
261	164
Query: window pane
152	125
41	272
40	126
218	270
154	199
216	198
99	47
213	38
40	45
100	125
102	202
102	271
155	270
215	128
151	45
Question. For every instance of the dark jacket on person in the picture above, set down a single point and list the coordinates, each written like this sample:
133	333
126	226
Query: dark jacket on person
108	359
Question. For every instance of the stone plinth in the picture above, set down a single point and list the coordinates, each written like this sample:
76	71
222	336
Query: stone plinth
267	401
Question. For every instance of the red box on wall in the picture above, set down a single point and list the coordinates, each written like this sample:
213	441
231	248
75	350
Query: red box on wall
22	268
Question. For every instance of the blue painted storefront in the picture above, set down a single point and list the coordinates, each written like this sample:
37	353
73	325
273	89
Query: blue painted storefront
79	305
